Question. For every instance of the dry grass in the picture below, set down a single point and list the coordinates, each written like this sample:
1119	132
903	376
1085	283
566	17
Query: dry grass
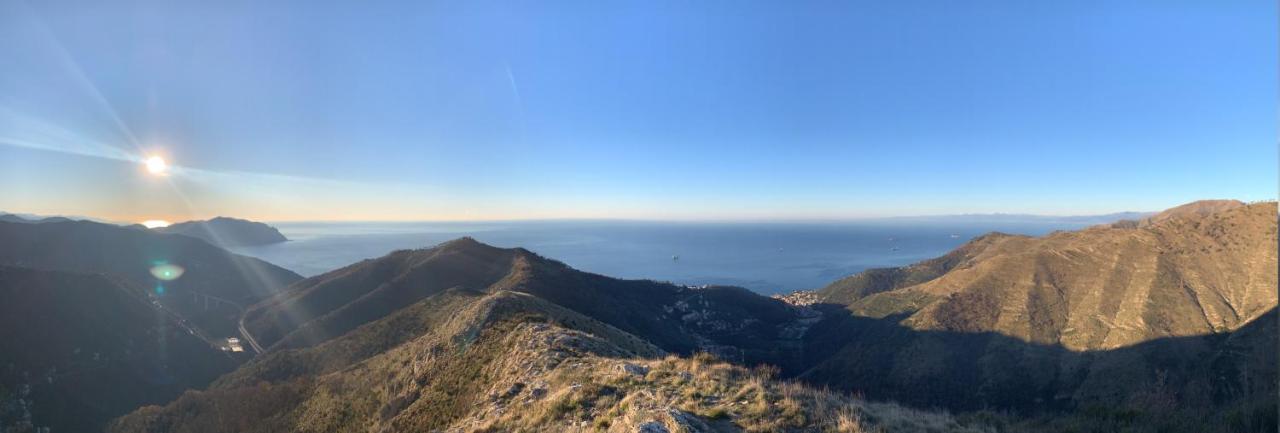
694	394
508	364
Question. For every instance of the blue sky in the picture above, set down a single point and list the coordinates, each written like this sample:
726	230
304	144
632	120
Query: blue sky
653	110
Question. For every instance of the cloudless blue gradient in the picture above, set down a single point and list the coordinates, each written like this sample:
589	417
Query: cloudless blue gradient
680	110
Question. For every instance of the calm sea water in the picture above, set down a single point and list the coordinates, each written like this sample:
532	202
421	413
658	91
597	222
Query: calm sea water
768	258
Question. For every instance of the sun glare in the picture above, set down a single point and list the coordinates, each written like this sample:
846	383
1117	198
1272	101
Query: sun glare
155	224
156	165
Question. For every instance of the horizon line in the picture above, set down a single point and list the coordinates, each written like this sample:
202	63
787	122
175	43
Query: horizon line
836	219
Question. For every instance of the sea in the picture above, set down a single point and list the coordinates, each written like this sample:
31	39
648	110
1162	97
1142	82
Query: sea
768	258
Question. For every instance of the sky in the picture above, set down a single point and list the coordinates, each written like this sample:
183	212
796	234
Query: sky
702	110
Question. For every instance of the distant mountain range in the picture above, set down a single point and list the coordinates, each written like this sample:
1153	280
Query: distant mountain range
1160	322
13	218
221	231
1006	217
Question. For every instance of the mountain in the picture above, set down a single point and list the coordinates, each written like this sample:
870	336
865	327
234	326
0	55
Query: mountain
1073	320
872	281
502	360
228	232
466	336
1165	324
729	321
211	284
1201	268
78	350
1194	209
15	218
1024	218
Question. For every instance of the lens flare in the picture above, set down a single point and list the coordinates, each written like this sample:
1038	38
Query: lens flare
167	272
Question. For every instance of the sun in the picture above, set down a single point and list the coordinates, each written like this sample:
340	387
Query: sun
155	224
156	165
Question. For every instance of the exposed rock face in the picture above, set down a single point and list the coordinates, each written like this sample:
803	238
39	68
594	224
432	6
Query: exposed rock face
228	232
633	369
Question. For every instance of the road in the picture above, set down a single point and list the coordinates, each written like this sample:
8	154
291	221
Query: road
173	316
244	333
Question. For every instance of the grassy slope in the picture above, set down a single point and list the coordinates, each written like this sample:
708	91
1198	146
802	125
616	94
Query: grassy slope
1010	326
730	320
508	362
953	348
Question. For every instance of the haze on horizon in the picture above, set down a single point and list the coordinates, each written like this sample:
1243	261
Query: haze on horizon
749	110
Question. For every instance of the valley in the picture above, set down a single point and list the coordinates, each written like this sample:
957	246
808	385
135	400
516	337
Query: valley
1154	324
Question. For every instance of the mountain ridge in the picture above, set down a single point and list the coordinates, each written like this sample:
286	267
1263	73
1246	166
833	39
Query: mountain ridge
508	361
211	276
1187	246
457	336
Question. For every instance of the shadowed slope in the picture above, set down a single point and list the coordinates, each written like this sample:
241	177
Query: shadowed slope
130	253
728	320
506	361
1185	384
468	337
1180	311
82	349
328	305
